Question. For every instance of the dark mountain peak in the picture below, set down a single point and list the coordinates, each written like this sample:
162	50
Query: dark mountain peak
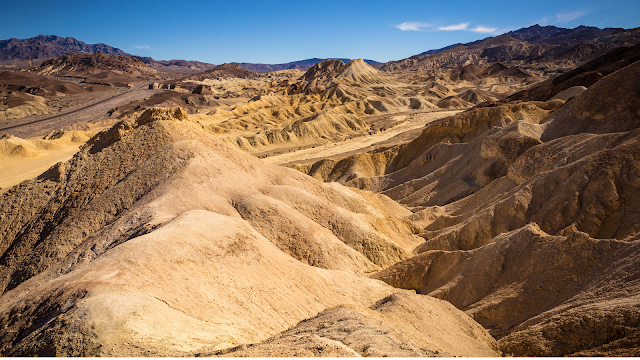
534	30
498	40
42	37
49	47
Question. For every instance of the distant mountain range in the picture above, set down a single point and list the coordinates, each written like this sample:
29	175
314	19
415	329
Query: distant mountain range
49	47
532	45
300	65
176	66
44	47
539	43
550	34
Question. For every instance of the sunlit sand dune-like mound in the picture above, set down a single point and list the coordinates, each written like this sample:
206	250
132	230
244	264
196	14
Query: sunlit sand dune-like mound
453	102
360	72
476	97
158	239
570	93
23	159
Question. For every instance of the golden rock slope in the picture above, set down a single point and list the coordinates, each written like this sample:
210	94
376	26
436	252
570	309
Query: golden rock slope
158	239
531	224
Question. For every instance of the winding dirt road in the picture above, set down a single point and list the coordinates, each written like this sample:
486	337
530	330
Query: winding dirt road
44	124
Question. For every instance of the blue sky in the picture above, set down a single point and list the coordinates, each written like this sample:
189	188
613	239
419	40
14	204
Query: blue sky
283	31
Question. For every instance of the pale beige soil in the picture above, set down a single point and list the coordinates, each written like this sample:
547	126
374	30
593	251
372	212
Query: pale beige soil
23	159
16	170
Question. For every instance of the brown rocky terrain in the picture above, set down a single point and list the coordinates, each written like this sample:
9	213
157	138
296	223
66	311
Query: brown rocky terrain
584	75
224	71
176	66
98	68
560	52
24	94
48	47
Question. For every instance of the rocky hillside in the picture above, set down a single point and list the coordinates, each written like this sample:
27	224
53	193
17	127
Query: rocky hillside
244	255
49	46
176	66
115	70
26	53
79	63
528	214
541	50
568	84
554	35
223	71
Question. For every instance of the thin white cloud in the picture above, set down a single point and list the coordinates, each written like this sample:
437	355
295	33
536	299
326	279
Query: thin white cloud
412	26
147	47
462	26
566	17
484	29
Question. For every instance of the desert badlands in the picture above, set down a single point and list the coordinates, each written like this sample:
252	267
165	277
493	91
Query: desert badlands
478	200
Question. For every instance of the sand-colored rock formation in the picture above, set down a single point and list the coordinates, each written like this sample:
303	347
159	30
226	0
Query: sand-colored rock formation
541	253
393	164
498	227
326	104
16	105
529	212
174	243
542	295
